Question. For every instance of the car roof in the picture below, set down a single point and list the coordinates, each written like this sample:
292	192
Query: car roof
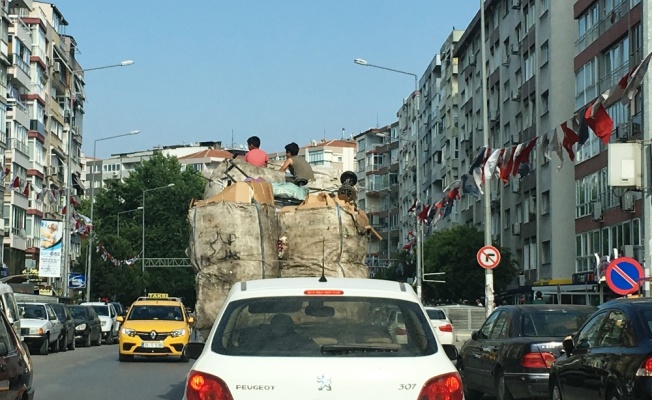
296	287
95	303
547	307
32	302
161	302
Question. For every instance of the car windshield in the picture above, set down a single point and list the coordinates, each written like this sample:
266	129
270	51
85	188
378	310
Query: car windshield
101	310
559	323
435	314
78	312
145	313
118	307
34	311
323	327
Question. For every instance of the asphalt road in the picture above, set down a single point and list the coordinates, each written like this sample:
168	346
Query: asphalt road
95	373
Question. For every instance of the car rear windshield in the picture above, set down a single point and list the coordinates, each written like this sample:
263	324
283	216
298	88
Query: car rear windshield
146	313
549	323
323	326
436	314
645	311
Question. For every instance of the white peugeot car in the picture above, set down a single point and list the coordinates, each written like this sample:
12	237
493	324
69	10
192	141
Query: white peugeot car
441	324
292	338
108	316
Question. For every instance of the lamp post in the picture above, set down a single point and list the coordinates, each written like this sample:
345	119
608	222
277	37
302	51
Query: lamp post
364	63
142	253
92	199
66	222
117	225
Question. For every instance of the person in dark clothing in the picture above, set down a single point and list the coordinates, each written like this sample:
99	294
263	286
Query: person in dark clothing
538	298
299	168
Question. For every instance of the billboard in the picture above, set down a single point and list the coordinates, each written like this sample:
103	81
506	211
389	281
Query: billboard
51	234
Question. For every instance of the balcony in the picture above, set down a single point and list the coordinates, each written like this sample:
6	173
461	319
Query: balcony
19	71
18	145
15	238
605	23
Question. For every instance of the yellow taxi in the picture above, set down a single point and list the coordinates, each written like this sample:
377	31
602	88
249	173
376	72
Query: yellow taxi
156	325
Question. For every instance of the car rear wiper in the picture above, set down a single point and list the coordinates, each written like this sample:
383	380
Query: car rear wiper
359	348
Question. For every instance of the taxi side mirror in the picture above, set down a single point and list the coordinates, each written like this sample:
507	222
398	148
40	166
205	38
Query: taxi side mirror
120	318
191	320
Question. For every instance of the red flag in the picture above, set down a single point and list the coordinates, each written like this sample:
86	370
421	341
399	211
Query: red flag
570	138
423	215
523	155
63	212
16	182
454	194
507	168
26	191
601	123
487	153
73	201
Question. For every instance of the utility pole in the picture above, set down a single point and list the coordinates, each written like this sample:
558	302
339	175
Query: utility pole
647	141
488	273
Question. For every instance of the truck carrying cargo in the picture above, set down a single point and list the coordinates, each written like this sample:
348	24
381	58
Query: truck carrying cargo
242	232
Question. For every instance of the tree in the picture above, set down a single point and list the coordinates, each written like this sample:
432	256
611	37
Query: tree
453	251
166	230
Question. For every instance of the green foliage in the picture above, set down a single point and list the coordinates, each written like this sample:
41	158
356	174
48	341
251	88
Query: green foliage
453	251
166	230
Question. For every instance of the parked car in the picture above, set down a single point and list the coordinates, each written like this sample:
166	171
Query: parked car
441	324
88	327
40	327
329	340
610	357
119	308
108	316
511	355
10	307
67	326
396	327
16	372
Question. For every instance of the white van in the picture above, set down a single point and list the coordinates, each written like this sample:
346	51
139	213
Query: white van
10	308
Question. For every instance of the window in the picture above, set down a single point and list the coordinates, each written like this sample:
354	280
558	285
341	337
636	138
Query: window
545	202
586	84
485	331
546	254
616	331
543	59
501	327
588	336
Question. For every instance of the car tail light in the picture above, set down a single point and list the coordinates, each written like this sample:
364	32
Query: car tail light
323	292
646	368
203	386
537	360
400	331
446	328
444	387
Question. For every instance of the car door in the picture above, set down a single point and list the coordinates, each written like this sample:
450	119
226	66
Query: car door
573	374
472	355
56	324
94	320
491	348
12	364
70	321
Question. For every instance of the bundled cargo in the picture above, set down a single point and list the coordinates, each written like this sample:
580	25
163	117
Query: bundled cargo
323	231
232	239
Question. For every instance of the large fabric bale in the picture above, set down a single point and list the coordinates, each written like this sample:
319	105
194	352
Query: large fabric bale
230	242
218	176
323	230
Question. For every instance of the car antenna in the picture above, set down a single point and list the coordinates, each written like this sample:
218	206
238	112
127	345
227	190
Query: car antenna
323	260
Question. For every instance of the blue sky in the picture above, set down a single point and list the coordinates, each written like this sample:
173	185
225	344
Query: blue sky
279	69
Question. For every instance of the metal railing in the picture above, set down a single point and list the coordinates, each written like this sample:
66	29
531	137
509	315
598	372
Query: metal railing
22	64
18	145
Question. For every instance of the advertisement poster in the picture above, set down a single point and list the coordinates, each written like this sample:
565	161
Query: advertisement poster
51	245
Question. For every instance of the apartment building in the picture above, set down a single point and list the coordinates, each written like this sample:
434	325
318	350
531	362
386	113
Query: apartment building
609	45
377	168
529	94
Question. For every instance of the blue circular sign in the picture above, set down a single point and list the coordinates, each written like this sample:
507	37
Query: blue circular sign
624	275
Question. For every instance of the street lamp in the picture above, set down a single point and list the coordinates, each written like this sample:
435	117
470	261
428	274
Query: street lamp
118	219
67	233
142	253
92	199
364	63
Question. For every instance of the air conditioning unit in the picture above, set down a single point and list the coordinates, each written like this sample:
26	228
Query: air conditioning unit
116	174
51	171
516	185
494	116
515	96
597	211
516	229
516	4
627	201
622	132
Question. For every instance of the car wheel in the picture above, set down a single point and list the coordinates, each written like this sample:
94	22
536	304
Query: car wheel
109	338
63	347
45	347
72	344
502	393
555	393
124	357
469	394
54	347
98	342
87	342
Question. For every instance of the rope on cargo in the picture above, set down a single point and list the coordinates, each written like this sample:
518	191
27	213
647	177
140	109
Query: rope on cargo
262	241
339	221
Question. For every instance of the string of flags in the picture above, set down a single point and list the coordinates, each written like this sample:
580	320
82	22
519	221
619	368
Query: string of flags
106	256
506	163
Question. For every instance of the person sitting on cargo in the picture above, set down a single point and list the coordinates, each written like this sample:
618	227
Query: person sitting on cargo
255	156
299	168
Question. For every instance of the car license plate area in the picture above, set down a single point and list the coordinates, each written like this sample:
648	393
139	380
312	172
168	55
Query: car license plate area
153	345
